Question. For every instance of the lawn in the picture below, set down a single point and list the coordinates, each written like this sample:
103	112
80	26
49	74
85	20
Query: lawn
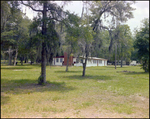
103	92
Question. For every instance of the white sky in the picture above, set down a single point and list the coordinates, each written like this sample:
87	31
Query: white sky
141	12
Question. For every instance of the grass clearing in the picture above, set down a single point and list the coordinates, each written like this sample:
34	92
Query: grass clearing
103	92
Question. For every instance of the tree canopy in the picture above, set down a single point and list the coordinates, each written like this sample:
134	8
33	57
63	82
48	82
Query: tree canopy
142	44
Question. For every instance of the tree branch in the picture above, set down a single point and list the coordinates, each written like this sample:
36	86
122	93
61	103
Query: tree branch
31	7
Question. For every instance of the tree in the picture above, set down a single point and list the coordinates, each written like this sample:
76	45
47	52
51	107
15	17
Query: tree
72	34
142	44
85	40
85	44
23	47
15	29
50	11
5	13
118	11
101	44
125	43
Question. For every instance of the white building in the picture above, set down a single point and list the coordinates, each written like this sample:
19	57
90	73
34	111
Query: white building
92	61
62	60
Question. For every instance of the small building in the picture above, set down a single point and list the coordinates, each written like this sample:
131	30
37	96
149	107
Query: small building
133	63
92	61
62	60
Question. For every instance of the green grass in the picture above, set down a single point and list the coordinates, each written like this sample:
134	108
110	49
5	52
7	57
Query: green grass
68	94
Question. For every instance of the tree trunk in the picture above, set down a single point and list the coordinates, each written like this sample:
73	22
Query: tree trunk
16	57
21	62
121	61
67	62
84	67
43	63
115	54
47	62
10	56
25	60
51	59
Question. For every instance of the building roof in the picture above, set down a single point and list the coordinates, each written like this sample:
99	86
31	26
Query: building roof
60	57
95	58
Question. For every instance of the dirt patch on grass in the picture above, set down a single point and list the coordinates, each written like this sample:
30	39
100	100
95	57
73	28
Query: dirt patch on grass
19	70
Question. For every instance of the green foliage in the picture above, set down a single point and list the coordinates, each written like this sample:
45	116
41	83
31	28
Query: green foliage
142	44
51	38
16	29
125	42
102	11
5	12
72	33
101	44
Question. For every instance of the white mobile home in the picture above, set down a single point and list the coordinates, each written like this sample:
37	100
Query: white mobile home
92	61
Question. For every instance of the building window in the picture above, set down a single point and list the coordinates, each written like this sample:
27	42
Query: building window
61	59
94	61
57	59
100	61
89	61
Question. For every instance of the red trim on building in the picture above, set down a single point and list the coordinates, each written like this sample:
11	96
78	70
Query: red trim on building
65	59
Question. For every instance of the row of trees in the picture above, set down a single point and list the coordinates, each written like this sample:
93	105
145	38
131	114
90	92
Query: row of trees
54	31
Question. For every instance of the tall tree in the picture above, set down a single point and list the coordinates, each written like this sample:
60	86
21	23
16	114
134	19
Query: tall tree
72	34
125	43
5	13
15	29
117	11
50	11
85	44
142	44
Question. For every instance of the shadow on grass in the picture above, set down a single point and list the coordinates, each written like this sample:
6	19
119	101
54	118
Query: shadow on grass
95	77
113	67
26	86
4	99
67	71
134	73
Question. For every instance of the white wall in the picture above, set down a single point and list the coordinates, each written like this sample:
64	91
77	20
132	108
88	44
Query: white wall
74	60
105	62
57	63
89	62
78	64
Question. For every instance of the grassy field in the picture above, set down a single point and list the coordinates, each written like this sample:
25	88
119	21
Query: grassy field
103	92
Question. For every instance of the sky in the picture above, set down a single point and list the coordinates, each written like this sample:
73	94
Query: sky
141	12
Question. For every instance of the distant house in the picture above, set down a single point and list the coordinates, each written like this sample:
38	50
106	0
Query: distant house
133	63
62	60
92	61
